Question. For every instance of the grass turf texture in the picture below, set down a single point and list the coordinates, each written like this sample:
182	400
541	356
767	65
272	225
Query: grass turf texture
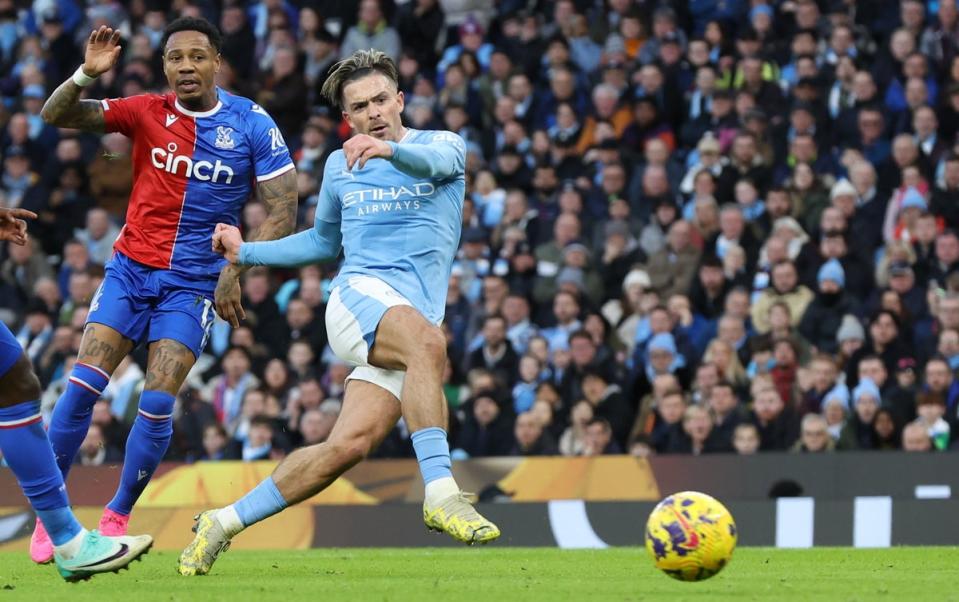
495	574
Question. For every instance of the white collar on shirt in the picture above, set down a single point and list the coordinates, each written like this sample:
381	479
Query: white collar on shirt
196	114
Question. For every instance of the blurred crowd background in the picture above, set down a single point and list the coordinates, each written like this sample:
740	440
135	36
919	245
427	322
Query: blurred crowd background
690	226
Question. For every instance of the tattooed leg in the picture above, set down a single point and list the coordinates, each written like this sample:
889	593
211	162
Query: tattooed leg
101	351
103	347
168	365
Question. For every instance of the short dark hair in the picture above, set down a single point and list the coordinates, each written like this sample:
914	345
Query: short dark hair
602	422
723	384
594	372
261	420
937	359
493	317
243	350
580	334
193	24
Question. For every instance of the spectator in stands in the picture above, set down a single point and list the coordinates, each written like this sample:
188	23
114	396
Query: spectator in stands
673	267
302	324
316	424
372	31
813	435
824	379
777	424
727	413
519	329
99	235
96	450
486	431
573	440
23	267
825	312
858	433
915	438
226	392
284	87
661	416
531	439
37	330
696	436
746	439
599	439
419	25
888	437
214	443
609	402
496	353
566	310
524	391
259	442
931	408
784	287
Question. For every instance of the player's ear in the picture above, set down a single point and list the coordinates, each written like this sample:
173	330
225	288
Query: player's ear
216	63
401	99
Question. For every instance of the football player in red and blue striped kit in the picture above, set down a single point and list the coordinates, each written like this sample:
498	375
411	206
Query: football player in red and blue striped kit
198	153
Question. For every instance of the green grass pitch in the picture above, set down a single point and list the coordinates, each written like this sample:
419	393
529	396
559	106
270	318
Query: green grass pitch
497	575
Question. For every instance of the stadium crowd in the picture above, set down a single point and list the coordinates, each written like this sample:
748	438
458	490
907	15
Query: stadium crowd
690	227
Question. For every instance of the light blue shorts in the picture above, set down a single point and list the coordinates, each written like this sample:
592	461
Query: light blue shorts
352	317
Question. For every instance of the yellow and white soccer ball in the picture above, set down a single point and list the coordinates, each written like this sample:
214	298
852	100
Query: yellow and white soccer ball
691	536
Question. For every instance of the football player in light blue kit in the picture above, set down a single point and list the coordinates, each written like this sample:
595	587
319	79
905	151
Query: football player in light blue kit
392	200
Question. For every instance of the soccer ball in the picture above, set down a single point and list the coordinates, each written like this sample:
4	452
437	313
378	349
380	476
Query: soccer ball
690	536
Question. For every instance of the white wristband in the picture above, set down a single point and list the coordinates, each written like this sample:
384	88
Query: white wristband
82	79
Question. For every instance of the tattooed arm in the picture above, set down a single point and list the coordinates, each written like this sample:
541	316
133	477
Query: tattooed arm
279	195
64	107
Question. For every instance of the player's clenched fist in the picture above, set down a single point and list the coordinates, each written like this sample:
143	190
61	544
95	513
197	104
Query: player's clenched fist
226	241
361	148
103	48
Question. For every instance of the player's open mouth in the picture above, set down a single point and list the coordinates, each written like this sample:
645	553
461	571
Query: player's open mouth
378	129
188	85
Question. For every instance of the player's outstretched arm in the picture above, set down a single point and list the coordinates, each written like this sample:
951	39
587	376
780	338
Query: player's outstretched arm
443	158
320	243
64	107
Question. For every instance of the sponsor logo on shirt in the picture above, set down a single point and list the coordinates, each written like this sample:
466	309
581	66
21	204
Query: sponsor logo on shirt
392	198
167	160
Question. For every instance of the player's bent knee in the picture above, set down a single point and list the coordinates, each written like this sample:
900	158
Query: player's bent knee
350	452
432	347
19	384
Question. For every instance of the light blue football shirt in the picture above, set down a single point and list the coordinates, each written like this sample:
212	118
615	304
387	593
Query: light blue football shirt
397	219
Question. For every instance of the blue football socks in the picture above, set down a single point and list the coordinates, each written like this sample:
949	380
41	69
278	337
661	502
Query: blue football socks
263	502
433	453
148	441
27	451
73	412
